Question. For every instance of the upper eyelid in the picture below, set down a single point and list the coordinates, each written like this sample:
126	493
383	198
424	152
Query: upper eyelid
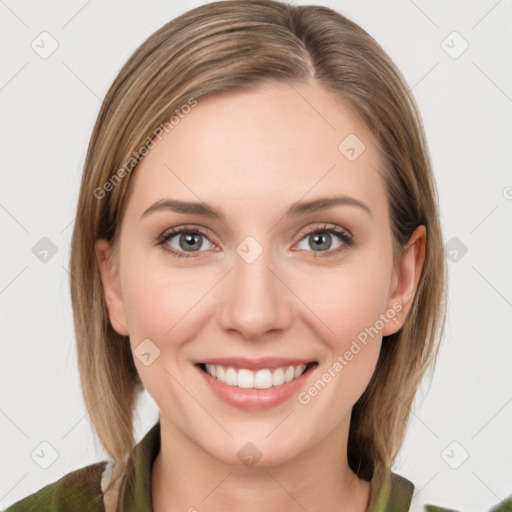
172	232
325	226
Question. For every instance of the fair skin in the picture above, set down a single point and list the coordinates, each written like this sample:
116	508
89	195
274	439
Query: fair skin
251	155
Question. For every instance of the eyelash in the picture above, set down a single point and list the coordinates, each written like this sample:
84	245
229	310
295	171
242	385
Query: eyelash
344	236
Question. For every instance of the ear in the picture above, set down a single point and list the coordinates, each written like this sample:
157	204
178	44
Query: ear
405	280
109	270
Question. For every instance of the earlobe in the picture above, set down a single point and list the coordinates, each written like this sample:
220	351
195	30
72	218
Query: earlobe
111	286
407	278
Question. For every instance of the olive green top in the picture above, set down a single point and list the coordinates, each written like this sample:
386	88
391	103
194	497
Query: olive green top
80	490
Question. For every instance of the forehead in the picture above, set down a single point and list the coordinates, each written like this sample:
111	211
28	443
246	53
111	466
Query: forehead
272	145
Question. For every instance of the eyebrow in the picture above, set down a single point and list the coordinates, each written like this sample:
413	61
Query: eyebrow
295	210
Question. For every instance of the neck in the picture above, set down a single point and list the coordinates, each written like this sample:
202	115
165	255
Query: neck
185	478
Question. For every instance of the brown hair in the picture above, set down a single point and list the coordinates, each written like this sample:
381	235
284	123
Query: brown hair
233	46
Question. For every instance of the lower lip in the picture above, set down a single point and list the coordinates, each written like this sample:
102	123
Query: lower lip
254	399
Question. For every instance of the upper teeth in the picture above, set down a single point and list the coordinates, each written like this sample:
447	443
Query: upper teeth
260	379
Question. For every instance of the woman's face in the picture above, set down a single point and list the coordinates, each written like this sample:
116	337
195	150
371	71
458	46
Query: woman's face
262	284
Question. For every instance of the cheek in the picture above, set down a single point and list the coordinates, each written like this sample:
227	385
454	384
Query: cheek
348	306
349	300
160	305
360	305
163	305
351	307
159	299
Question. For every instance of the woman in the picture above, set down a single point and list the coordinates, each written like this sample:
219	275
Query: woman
257	244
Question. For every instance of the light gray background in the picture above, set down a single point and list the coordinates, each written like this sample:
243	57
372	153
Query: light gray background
48	110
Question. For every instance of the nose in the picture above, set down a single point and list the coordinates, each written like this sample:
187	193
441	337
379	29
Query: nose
255	302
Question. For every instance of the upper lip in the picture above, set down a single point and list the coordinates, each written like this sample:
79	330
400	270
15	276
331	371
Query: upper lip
256	364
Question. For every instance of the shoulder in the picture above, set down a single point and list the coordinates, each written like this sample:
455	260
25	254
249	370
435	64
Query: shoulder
397	494
403	492
79	490
419	505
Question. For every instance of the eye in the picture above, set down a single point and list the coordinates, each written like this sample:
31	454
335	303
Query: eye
184	242
320	240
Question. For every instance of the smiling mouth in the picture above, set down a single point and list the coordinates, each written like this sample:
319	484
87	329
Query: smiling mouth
261	379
